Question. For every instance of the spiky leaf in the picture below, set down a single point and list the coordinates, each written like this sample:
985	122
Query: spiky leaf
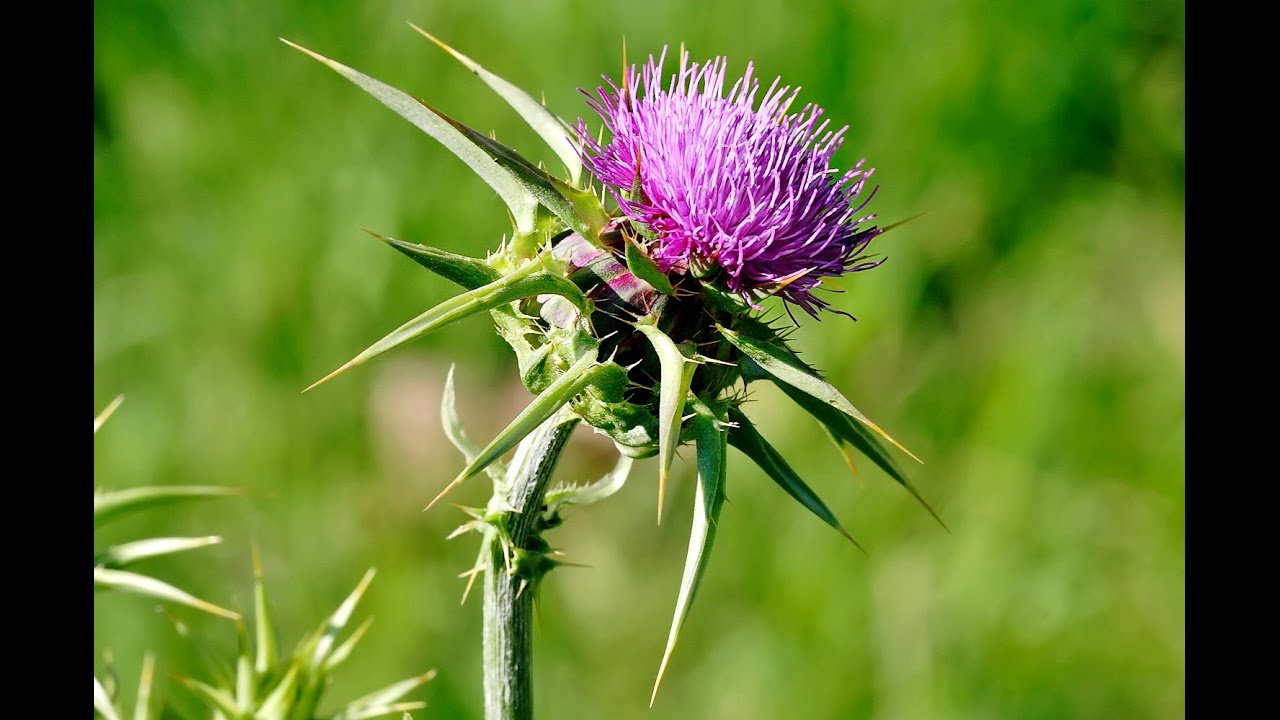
787	368
518	199
468	272
530	281
142	704
119	556
265	652
245	680
708	499
611	483
746	438
343	651
378	711
216	699
550	128
453	429
323	639
384	697
845	430
278	702
111	504
106	413
677	374
124	581
576	209
559	393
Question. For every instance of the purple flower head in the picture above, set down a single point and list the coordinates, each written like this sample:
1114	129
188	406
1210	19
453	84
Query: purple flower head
726	184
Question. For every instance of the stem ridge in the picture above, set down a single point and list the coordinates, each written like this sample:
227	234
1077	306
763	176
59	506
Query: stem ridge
508	597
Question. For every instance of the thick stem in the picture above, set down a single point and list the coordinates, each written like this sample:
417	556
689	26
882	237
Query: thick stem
508	607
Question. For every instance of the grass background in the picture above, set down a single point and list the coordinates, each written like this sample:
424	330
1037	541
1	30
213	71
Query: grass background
1025	337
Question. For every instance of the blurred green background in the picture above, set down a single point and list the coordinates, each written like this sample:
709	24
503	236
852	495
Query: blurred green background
1025	337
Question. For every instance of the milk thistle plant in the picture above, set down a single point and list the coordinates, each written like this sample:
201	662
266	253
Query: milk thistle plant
633	291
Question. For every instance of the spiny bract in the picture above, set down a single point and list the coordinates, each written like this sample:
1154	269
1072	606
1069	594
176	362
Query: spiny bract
643	316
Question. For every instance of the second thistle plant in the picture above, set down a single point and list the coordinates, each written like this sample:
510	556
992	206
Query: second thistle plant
265	684
110	573
633	289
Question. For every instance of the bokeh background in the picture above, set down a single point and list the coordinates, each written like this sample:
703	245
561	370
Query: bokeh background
1025	337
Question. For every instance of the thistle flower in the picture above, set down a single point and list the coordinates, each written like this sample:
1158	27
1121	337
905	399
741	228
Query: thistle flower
720	183
643	317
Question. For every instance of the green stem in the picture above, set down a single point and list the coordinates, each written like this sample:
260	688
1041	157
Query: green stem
508	607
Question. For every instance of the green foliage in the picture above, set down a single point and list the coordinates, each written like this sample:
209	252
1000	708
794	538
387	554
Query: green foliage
109	574
744	437
470	273
529	281
781	364
554	131
543	407
520	202
452	425
260	684
109	564
563	495
710	435
111	504
673	389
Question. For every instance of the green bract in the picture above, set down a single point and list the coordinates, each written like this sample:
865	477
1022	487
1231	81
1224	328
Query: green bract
652	360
